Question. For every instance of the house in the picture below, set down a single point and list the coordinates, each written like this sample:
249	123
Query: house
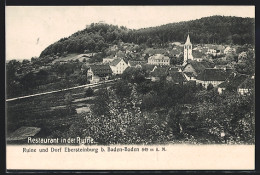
159	59
189	76
118	66
152	51
113	48
237	82
215	49
228	50
97	72
175	69
198	55
176	77
158	72
148	68
175	52
242	56
176	43
196	67
136	63
108	60
247	86
212	76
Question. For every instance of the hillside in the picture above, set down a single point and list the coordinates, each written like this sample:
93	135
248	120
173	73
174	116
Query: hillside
214	29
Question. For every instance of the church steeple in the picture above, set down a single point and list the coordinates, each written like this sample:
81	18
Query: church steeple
187	50
188	40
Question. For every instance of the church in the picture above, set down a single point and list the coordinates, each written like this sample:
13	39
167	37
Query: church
187	53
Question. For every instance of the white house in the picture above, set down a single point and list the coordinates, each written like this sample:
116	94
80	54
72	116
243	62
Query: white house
118	66
159	59
229	50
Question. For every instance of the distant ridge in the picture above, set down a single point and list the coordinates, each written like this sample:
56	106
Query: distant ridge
214	29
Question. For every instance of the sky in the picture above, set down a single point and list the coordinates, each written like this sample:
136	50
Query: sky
30	29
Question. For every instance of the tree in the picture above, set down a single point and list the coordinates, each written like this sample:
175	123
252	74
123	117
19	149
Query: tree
41	77
210	87
174	120
28	81
100	103
89	92
68	101
134	75
122	89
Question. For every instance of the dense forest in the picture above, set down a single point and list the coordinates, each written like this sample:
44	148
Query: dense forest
214	30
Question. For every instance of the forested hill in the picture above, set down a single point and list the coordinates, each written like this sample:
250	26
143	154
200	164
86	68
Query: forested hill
214	29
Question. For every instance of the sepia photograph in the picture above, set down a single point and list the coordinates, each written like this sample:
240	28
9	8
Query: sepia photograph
110	81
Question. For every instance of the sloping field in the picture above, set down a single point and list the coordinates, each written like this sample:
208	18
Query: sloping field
49	112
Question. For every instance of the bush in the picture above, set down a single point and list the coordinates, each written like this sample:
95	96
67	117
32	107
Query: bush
89	92
210	86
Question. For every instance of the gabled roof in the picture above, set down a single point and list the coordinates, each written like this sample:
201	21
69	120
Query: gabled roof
213	74
134	63
199	66
115	62
174	69
234	80
100	69
160	71
176	77
188	41
159	57
148	67
189	74
153	51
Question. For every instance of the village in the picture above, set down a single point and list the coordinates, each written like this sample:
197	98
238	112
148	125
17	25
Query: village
197	66
178	92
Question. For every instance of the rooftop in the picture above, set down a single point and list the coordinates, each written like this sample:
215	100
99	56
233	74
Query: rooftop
135	63
159	57
160	71
200	66
213	74
100	69
115	61
236	80
176	77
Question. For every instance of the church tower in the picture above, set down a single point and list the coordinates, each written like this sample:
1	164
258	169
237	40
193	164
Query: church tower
187	51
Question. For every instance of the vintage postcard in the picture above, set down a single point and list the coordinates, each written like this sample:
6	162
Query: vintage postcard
130	87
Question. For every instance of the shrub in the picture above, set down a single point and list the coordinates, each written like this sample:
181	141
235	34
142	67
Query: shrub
89	92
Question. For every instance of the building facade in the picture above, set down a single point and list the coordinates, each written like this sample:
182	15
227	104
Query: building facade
98	72
159	59
118	66
212	76
187	53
